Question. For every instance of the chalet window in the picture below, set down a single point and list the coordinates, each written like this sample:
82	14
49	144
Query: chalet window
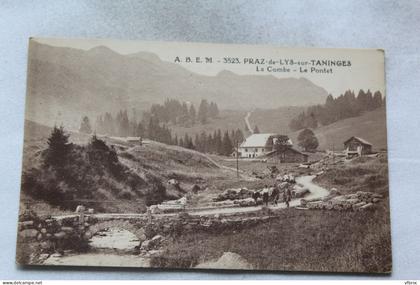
256	150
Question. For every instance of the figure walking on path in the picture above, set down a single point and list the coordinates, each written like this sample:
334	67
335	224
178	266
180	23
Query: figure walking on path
265	195
256	195
275	195
287	196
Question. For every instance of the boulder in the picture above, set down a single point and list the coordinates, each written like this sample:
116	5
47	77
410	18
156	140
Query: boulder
28	234
27	224
87	235
80	209
157	239
67	230
195	188
229	260
173	181
146	245
246	202
60	235
154	209
334	191
46	245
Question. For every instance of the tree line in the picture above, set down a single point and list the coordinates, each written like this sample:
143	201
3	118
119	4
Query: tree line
346	105
185	114
216	142
206	142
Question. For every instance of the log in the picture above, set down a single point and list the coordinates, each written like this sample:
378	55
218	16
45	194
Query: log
358	205
314	205
351	196
352	201
365	207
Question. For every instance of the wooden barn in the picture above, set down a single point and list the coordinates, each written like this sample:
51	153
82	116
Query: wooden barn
289	155
357	146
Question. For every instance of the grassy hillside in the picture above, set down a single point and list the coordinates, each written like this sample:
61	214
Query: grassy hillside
311	240
371	126
228	120
274	120
267	120
141	167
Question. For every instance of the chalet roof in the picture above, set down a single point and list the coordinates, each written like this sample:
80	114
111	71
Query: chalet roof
257	140
362	141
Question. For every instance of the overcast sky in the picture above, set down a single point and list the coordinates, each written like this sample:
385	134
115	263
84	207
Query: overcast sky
366	70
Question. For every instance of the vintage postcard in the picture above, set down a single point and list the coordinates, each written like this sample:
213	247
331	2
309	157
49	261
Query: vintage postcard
204	156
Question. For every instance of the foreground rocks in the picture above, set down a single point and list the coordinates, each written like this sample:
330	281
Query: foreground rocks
55	235
229	260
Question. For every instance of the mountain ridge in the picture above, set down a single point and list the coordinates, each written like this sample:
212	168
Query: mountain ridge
65	83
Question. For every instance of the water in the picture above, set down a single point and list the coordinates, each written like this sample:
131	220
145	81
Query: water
113	238
113	247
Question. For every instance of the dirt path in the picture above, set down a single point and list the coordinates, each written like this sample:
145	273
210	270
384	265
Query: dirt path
247	123
316	191
305	181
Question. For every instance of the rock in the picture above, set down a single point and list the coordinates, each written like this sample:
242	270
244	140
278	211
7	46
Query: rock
195	188
46	245
27	224
56	254
88	235
229	260
80	209
154	209
157	239
67	230
39	237
60	235
44	231
334	191
28	234
91	211
246	202
173	182
146	245
44	256
142	237
155	252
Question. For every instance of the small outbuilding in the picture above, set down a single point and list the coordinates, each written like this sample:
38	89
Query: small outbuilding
357	146
288	155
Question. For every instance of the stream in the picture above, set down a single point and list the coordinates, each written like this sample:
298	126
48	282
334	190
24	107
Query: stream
112	247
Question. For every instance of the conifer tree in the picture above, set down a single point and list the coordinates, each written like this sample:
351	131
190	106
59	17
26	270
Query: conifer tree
59	149
85	126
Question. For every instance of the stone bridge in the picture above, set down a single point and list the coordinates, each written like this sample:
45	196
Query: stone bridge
74	231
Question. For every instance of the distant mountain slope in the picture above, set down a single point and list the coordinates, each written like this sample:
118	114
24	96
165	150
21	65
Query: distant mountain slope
66	83
370	126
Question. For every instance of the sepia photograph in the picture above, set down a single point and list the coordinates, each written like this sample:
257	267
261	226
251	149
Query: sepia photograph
204	156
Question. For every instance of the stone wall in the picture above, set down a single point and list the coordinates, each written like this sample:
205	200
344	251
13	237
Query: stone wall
56	235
